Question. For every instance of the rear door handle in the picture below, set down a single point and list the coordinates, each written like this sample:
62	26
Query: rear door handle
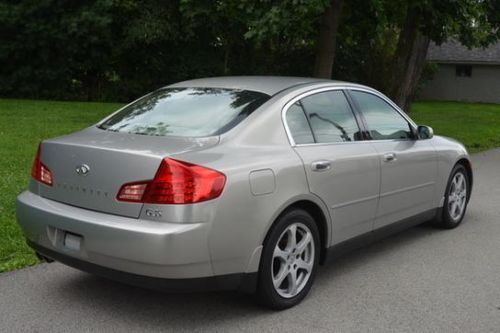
389	157
321	165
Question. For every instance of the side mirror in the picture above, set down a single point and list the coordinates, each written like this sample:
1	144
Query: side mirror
425	132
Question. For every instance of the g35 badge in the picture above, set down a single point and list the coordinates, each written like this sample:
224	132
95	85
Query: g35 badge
153	212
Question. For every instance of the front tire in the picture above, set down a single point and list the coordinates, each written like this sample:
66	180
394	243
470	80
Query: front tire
289	260
456	198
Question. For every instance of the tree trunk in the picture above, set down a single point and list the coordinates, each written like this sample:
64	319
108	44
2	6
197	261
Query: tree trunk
227	51
327	40
414	72
409	61
92	84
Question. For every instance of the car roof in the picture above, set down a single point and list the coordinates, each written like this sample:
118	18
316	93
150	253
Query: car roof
269	85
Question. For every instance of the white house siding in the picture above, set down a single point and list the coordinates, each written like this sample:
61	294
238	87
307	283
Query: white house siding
483	85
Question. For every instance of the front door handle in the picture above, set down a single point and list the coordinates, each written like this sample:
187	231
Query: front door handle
389	157
321	165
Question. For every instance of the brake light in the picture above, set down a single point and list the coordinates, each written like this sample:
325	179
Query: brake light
39	171
176	182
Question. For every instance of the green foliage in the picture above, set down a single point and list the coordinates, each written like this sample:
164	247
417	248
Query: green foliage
293	19
99	49
464	20
258	37
121	49
51	48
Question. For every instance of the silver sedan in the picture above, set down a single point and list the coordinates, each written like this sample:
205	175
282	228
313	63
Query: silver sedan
242	183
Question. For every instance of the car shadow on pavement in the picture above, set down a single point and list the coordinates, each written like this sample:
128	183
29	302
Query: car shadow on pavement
377	249
204	310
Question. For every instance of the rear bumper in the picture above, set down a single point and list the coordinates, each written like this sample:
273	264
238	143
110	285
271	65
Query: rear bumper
115	246
244	282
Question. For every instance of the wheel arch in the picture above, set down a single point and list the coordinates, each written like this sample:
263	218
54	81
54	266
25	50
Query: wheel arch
466	163
317	209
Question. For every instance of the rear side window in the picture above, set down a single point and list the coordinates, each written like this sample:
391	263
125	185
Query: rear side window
298	125
383	121
186	112
330	117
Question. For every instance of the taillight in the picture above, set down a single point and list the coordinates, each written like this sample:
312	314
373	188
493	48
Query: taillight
132	192
176	182
39	171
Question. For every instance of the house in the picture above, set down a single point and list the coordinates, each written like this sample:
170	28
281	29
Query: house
464	75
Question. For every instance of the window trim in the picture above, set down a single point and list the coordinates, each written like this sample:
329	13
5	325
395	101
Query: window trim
411	124
314	92
362	126
299	105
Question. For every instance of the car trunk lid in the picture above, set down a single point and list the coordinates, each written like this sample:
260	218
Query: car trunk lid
90	166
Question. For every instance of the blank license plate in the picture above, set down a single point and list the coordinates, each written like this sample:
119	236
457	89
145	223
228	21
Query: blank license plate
72	241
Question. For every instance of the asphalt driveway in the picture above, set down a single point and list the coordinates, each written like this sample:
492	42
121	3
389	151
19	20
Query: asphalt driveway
420	280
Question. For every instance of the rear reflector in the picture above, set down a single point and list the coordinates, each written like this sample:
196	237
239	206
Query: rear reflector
39	171
176	182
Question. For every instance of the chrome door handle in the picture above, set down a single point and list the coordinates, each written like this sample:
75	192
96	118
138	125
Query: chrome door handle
389	157
321	165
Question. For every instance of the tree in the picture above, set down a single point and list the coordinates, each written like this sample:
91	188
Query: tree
120	49
408	60
52	48
384	43
294	25
432	20
327	40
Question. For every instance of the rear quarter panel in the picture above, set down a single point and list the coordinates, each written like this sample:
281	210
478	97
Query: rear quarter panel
243	215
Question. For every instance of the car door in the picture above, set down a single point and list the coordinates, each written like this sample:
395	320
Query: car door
408	165
341	168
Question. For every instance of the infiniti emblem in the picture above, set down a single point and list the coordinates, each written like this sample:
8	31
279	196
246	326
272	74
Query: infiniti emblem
82	169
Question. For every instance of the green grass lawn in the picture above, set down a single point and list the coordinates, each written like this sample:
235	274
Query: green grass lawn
24	123
477	126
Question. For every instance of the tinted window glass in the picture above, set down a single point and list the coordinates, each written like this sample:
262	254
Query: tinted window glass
331	117
186	112
383	121
297	123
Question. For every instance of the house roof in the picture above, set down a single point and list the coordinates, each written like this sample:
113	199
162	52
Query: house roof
456	53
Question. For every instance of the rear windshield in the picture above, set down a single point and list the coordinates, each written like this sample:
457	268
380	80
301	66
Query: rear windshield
186	112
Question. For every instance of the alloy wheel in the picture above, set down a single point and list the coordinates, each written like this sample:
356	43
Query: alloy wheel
293	260
457	196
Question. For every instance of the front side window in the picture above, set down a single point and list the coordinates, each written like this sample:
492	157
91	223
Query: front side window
383	121
186	112
330	117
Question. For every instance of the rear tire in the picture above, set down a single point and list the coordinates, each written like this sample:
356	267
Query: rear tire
456	199
289	260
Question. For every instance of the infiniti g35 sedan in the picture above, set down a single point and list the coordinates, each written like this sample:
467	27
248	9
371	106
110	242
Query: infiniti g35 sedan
245	183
